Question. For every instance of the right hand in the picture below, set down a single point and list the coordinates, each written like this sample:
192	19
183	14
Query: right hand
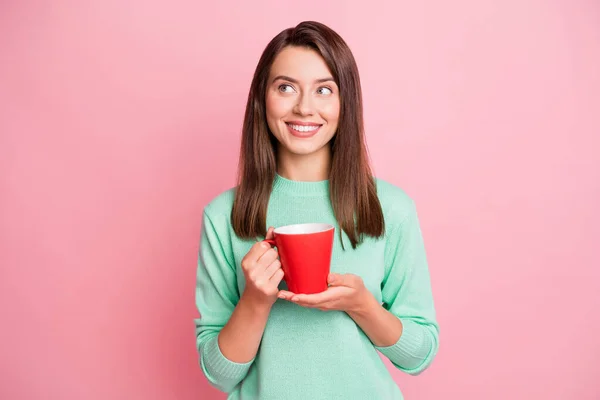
262	270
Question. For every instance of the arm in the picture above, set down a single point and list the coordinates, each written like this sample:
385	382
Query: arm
216	299
240	337
406	294
230	328
381	326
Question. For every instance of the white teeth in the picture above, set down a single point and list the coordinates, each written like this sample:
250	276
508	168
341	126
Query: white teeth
304	128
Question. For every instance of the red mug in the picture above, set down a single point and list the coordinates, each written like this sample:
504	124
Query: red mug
305	255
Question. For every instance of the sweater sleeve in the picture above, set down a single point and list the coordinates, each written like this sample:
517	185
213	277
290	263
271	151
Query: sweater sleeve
406	293
216	298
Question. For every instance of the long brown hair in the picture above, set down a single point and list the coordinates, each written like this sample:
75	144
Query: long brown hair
352	187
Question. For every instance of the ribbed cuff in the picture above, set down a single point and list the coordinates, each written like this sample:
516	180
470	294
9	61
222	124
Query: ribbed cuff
411	349
220	369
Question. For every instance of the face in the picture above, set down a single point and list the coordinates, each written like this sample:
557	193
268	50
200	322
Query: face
302	102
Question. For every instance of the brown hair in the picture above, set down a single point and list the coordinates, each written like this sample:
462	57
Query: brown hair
352	187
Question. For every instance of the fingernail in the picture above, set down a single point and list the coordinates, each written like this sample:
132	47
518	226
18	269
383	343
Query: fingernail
266	245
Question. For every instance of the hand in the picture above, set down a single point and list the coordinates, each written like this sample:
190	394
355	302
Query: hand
263	273
346	292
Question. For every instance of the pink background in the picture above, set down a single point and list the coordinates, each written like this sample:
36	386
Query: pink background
120	120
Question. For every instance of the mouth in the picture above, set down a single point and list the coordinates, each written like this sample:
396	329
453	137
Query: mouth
303	129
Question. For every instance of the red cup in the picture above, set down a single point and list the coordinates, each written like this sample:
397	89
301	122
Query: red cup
305	255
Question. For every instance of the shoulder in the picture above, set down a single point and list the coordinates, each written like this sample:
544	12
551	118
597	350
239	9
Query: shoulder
395	202
219	208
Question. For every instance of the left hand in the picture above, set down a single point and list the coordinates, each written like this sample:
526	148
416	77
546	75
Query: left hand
346	292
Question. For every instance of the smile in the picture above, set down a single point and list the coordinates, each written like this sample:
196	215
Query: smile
304	130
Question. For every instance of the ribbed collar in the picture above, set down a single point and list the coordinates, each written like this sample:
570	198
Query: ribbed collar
300	188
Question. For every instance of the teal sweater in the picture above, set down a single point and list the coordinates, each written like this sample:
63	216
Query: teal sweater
307	353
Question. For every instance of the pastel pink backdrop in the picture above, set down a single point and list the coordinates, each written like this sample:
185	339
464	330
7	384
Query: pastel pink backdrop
120	120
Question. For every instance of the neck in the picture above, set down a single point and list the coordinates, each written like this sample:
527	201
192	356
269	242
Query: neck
305	167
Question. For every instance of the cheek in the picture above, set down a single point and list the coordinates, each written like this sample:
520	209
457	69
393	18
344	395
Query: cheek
276	107
331	112
271	111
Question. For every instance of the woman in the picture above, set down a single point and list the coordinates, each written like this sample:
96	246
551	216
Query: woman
303	159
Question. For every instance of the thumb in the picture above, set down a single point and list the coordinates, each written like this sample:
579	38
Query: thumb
335	279
348	280
270	234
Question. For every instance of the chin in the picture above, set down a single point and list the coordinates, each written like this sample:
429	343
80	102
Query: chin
304	148
302	152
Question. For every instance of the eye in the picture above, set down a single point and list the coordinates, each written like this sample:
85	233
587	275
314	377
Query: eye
324	90
286	88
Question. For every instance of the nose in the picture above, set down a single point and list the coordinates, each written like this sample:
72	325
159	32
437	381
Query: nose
304	106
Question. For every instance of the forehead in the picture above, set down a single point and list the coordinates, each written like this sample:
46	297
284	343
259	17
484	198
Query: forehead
300	63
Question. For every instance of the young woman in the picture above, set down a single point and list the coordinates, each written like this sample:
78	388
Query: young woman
303	159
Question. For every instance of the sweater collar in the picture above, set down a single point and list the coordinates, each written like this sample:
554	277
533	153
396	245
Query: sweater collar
300	188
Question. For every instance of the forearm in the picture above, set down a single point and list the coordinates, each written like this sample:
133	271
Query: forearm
382	327
409	345
240	337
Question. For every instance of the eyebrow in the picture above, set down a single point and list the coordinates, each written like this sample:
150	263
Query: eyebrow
287	78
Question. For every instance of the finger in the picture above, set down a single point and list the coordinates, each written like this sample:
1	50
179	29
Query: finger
315	299
307	305
284	294
325	306
260	275
268	257
271	269
257	250
277	277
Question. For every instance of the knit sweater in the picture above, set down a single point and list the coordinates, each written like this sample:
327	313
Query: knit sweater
306	353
